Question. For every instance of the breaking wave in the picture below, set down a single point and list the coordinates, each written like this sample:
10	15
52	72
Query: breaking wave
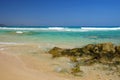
100	28
74	29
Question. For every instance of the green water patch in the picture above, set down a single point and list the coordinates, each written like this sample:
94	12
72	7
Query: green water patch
60	37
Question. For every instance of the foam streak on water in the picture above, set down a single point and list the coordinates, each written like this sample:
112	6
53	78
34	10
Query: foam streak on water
76	29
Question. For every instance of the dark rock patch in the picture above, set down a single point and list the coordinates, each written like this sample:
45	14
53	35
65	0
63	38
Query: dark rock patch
105	53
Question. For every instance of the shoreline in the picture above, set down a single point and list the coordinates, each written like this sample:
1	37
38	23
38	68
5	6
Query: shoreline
30	62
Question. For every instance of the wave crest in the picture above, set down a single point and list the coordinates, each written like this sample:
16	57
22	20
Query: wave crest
56	28
94	28
78	29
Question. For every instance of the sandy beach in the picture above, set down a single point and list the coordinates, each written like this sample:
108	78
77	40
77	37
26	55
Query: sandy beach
30	62
59	39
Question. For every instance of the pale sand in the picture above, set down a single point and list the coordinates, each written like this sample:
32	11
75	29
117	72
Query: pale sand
30	62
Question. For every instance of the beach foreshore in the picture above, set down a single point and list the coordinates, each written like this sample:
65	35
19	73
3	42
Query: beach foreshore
32	62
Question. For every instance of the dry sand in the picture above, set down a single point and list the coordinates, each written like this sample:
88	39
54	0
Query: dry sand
30	62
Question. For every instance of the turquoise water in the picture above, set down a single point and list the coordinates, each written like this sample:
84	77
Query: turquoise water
73	37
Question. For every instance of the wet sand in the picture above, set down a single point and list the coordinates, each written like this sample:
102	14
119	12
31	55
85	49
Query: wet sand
32	62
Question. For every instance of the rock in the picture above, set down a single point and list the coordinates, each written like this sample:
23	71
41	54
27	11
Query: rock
66	52
87	50
97	48
75	69
116	59
104	52
91	51
117	55
76	52
89	47
117	48
73	59
56	52
108	48
72	52
107	51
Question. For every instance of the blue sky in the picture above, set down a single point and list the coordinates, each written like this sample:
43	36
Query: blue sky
60	12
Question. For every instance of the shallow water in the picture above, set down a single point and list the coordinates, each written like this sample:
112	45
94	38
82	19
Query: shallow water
59	36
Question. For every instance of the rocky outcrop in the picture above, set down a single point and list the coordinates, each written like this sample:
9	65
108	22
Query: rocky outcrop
117	48
56	52
105	53
101	52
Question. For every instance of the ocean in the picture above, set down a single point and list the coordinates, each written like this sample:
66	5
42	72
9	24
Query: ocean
75	36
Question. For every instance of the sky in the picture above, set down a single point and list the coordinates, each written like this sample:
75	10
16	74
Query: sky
60	12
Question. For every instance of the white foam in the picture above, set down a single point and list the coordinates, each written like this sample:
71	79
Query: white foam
19	32
6	28
66	29
82	29
75	30
45	29
94	28
56	28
